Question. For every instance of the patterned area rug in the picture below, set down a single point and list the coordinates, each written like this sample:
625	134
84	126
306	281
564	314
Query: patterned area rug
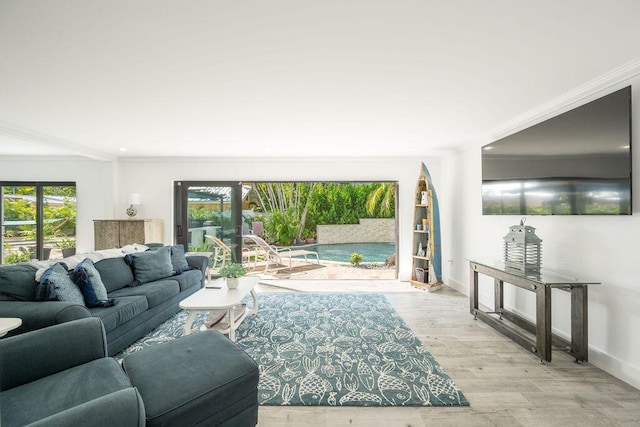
333	350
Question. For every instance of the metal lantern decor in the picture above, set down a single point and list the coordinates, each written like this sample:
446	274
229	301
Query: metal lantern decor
522	249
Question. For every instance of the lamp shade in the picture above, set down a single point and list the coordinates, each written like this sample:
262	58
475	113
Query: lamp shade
134	199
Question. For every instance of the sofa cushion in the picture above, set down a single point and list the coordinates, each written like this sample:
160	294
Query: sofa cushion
188	278
150	265
56	284
156	292
178	259
88	280
127	308
211	379
18	282
61	391
115	273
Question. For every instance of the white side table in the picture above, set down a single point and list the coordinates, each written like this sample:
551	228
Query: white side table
8	324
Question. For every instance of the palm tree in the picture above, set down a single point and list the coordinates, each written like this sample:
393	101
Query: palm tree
383	195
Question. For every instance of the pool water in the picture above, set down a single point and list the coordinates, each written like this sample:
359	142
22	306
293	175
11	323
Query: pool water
341	252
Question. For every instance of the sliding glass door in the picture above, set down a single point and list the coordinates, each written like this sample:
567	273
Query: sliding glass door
38	220
208	208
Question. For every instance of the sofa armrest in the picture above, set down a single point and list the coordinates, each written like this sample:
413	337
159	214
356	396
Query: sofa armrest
200	262
41	314
38	354
120	408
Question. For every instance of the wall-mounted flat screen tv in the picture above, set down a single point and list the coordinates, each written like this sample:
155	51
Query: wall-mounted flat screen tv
577	163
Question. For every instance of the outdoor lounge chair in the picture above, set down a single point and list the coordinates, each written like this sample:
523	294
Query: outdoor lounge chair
222	253
274	254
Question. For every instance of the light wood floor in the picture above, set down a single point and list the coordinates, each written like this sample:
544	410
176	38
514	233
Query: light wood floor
506	385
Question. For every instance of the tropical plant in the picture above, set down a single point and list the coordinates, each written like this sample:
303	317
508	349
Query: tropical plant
383	197
355	259
66	243
307	205
285	201
232	270
281	227
14	257
309	231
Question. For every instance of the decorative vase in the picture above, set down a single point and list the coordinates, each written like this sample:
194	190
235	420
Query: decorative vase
424	198
233	282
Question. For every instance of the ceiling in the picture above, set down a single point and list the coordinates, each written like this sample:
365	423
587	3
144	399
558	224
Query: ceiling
106	79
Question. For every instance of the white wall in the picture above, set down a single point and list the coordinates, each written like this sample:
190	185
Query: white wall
103	186
599	248
153	179
94	186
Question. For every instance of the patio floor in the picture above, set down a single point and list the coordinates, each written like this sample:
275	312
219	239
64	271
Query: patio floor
302	270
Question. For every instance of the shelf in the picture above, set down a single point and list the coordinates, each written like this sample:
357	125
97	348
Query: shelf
427	286
423	215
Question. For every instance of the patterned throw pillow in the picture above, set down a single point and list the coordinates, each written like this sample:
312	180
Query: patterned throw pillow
90	284
56	285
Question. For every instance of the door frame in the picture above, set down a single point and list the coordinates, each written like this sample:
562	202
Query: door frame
181	202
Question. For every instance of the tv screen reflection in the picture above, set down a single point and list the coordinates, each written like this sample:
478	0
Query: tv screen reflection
556	197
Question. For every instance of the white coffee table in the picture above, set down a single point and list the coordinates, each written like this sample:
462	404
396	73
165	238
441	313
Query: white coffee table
225	305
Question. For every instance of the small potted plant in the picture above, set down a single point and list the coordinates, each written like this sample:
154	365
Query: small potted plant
309	234
68	246
232	272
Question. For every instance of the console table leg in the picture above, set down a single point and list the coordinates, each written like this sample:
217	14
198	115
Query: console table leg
579	323
498	298
473	290
543	322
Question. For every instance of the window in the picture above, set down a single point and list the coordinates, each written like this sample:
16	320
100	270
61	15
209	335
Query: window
38	220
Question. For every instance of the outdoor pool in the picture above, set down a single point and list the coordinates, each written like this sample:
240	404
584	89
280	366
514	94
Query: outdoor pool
341	252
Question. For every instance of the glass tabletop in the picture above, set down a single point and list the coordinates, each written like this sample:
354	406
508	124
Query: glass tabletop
544	277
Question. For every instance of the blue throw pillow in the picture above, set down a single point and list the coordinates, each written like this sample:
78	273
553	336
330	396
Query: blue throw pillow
178	259
88	280
150	265
56	285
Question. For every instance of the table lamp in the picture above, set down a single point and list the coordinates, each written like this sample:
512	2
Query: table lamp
134	200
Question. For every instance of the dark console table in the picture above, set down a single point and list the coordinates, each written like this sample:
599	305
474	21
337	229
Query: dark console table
541	284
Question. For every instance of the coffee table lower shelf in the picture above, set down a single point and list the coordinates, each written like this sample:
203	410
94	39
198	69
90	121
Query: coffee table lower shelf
227	311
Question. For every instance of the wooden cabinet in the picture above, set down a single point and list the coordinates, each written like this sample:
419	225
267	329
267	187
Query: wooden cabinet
115	233
425	225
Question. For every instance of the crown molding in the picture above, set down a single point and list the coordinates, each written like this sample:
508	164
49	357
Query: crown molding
28	135
613	80
280	159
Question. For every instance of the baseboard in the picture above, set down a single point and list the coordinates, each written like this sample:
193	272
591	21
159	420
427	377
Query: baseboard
620	369
463	289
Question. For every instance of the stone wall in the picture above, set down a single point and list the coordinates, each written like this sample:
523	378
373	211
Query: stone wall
368	230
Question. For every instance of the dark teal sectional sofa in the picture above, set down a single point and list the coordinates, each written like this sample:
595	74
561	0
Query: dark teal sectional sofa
139	308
